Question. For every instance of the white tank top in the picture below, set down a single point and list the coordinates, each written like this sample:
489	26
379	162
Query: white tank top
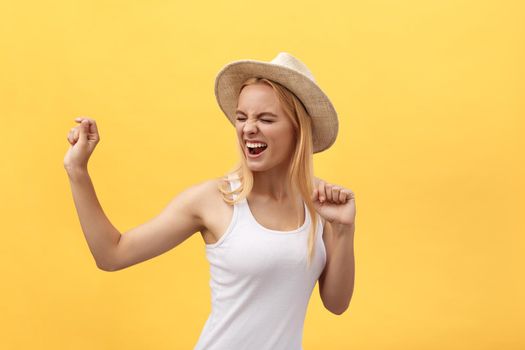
260	285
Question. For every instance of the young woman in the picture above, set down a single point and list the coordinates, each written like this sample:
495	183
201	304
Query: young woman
271	229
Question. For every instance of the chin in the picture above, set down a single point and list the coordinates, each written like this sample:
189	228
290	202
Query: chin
261	167
257	167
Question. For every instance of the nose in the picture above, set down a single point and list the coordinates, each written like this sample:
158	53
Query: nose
249	127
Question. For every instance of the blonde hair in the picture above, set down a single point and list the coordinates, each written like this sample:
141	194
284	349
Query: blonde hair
300	170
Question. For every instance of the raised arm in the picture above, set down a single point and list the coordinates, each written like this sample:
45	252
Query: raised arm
102	237
179	220
100	234
112	250
115	251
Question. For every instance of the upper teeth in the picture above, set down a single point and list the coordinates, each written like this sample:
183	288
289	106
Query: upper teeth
252	145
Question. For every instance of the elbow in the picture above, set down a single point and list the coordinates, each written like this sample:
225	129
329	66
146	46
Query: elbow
337	309
106	267
108	264
102	267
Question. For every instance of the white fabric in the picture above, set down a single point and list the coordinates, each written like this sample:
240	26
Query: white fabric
260	285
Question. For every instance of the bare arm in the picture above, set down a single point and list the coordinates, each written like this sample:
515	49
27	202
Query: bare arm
336	283
100	234
111	249
115	251
180	219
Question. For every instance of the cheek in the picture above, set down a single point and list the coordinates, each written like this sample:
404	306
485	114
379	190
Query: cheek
287	135
238	130
286	139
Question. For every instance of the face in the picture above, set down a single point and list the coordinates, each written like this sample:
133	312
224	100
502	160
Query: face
260	120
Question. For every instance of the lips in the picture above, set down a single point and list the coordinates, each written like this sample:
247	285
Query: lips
254	141
255	151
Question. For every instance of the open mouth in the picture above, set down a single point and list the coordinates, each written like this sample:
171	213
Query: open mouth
255	149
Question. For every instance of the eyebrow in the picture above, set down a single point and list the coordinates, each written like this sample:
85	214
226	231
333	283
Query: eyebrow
258	115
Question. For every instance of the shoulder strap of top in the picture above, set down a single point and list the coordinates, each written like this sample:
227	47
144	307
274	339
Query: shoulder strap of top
234	184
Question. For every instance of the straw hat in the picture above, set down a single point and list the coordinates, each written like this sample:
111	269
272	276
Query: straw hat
295	76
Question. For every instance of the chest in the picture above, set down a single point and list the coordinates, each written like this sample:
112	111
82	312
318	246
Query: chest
277	217
273	217
253	252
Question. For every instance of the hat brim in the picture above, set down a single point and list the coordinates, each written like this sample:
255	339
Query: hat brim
324	117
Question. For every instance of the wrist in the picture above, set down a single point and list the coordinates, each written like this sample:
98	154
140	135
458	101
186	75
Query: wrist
343	229
76	171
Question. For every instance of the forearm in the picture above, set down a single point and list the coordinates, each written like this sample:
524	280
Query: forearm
102	237
340	275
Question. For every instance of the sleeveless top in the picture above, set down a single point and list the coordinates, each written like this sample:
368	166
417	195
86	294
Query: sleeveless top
260	284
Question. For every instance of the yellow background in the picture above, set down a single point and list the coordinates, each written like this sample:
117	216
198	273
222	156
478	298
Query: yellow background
430	96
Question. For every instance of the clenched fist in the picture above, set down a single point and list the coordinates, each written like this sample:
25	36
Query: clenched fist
83	139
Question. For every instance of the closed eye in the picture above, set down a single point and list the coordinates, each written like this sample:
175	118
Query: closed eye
239	118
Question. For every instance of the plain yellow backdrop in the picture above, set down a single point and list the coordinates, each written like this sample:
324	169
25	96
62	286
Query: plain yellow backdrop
430	96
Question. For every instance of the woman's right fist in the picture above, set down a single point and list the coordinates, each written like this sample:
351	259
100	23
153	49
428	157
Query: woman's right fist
83	139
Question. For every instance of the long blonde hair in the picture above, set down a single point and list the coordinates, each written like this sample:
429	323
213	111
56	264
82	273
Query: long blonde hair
300	171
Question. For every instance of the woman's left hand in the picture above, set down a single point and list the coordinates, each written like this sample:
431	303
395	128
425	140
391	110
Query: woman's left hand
334	203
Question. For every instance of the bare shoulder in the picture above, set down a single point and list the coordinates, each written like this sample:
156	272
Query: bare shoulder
209	189
205	187
206	197
185	214
212	211
205	192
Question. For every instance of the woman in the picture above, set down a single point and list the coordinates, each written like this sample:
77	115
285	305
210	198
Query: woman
271	230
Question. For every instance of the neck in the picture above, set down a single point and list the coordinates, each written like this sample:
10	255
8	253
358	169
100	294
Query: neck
272	184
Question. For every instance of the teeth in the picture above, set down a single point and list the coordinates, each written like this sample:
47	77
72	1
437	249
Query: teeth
256	144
